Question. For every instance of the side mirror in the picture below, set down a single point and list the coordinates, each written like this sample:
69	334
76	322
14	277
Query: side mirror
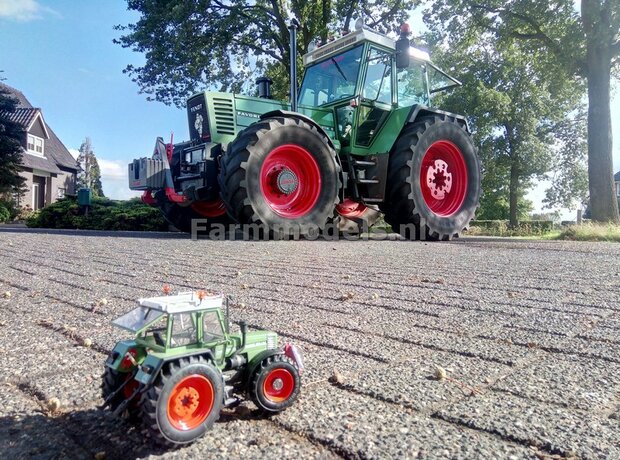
402	48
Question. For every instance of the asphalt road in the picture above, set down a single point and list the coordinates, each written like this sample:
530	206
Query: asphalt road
527	331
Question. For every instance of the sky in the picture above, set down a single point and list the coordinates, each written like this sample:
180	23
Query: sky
60	54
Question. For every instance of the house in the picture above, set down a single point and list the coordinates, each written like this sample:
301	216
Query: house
47	165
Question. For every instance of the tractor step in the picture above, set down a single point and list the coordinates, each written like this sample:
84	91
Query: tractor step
367	181
364	163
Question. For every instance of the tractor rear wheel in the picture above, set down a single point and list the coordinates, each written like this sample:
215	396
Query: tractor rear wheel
433	181
112	381
275	384
282	173
210	213
184	401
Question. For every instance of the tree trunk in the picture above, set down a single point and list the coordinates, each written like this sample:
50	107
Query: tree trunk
600	161
514	194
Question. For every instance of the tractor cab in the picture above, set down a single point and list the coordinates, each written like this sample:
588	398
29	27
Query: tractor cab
169	322
362	78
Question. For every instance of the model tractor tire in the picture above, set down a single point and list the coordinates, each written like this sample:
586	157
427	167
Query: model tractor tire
275	384
433	182
180	217
112	381
282	173
184	402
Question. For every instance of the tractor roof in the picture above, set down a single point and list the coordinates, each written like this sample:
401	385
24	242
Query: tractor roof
353	38
182	302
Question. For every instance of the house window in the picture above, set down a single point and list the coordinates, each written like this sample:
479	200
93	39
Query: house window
35	145
61	192
617	188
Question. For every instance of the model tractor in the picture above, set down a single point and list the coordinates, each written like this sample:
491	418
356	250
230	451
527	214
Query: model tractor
183	366
359	138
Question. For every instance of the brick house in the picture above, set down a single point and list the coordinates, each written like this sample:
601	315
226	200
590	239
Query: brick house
47	165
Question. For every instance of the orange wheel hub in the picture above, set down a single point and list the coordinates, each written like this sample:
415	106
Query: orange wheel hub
278	385
190	402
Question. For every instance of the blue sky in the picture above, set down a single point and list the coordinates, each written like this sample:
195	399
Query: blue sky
61	56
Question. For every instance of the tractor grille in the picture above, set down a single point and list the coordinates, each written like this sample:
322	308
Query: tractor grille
224	116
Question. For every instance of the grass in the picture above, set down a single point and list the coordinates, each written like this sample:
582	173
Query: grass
590	232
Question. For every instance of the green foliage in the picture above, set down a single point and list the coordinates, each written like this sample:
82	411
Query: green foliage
523	119
11	135
104	214
90	174
5	214
224	45
591	232
564	44
502	228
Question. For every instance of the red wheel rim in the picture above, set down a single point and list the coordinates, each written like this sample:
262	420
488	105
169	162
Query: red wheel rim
443	178
130	386
214	208
278	385
350	209
190	402
290	181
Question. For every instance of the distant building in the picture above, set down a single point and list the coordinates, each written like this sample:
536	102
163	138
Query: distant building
49	168
617	181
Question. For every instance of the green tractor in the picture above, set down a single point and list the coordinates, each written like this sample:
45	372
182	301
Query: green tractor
360	138
184	366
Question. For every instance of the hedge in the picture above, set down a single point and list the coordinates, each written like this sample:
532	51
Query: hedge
104	214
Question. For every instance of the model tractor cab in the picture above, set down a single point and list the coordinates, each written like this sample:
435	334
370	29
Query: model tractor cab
360	139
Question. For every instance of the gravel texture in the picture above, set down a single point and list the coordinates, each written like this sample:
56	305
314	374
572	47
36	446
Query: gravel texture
525	336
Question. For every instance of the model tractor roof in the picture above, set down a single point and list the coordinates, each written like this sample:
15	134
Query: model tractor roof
356	37
184	302
153	308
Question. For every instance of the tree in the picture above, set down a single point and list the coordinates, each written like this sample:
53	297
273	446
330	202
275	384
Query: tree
222	45
11	134
518	118
583	44
90	175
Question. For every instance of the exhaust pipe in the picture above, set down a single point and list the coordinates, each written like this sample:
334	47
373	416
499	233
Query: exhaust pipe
293	52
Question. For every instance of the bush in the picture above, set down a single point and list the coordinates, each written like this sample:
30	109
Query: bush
104	214
5	214
501	228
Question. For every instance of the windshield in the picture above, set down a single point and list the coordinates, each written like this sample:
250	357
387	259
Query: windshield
137	318
331	80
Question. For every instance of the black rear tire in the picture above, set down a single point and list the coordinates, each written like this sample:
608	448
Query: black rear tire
248	184
181	385
406	208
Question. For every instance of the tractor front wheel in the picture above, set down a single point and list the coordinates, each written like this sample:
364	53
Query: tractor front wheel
209	213
112	381
281	173
184	402
275	384
433	182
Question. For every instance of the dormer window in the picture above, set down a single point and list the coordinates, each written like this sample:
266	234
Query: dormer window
35	145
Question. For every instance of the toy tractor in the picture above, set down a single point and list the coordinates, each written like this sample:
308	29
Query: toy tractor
184	365
361	138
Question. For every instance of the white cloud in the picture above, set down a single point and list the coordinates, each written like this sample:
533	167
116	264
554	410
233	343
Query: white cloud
117	188
24	10
112	169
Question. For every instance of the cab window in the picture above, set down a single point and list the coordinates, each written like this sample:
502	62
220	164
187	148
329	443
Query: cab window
183	330
378	83
412	86
211	326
